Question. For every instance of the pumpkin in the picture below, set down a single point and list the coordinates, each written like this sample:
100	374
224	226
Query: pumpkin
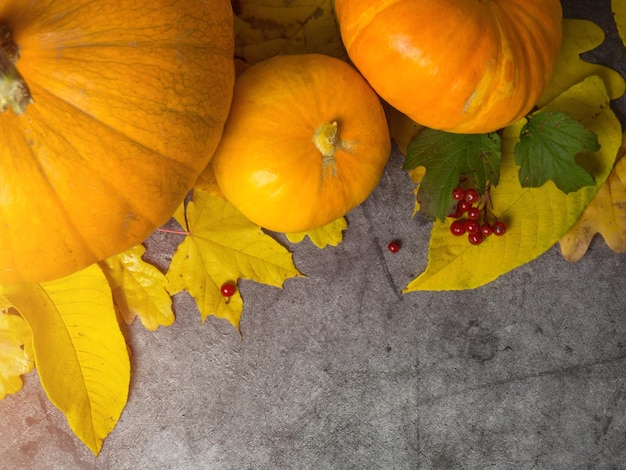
305	142
113	109
464	66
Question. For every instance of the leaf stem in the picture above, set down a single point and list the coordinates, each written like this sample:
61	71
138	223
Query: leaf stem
176	232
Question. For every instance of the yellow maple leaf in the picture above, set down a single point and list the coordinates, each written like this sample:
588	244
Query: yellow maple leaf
605	214
330	234
224	246
619	12
139	289
80	352
580	36
15	351
536	217
208	183
267	28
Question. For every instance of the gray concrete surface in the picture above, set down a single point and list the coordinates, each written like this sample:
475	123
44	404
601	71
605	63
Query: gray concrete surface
340	371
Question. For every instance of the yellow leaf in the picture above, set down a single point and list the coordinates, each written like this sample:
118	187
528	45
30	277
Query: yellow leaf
580	36
79	350
223	246
139	289
267	28
208	183
330	234
619	11
402	128
4	302
15	352
536	217
606	214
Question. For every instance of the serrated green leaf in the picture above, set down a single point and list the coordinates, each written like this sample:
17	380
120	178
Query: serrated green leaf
549	143
446	158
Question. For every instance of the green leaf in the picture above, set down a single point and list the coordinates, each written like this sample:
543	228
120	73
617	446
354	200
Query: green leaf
446	158
549	143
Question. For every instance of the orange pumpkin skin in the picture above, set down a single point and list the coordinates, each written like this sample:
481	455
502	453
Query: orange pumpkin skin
268	165
455	65
129	102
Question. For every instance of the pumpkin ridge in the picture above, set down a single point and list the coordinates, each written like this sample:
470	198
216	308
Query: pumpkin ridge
168	158
78	238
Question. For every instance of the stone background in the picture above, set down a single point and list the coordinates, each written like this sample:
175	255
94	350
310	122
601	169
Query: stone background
341	371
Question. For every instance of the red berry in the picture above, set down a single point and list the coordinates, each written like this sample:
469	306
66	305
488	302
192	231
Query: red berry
464	206
499	228
228	289
472	196
471	226
456	212
457	228
486	230
475	238
458	193
473	213
394	247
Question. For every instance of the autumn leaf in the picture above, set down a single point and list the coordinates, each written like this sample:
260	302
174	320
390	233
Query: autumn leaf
330	234
15	351
446	157
402	129
208	183
224	246
606	214
580	36
80	352
139	289
536	217
267	28
548	145
619	12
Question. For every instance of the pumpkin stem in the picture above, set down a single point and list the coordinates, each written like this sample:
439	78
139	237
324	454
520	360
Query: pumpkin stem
326	137
14	91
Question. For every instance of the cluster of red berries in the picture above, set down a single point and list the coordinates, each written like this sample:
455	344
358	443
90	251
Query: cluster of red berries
473	217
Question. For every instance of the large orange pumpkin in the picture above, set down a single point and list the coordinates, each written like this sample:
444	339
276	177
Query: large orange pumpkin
305	142
466	66
129	98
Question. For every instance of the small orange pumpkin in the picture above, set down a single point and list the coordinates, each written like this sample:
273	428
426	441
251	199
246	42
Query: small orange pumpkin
305	142
456	65
129	98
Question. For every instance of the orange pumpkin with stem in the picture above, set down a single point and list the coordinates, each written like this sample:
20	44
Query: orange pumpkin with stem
117	107
465	66
305	142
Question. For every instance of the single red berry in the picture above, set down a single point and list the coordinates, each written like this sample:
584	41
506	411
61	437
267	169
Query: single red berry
228	289
473	213
472	196
457	228
456	212
464	206
458	193
486	230
475	238
499	228
394	247
471	226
